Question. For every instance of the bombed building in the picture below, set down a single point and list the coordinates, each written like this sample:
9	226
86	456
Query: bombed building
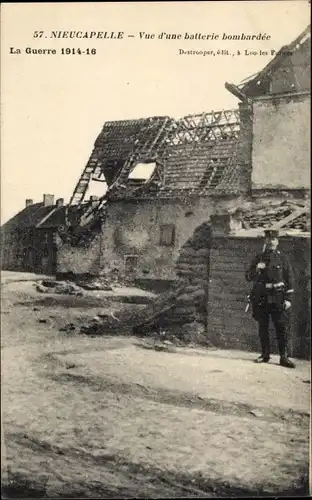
185	201
165	177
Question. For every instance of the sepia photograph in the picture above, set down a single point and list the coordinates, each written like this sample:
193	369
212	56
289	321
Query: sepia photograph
155	249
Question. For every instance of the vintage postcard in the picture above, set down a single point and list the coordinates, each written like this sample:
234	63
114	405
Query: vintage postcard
155	249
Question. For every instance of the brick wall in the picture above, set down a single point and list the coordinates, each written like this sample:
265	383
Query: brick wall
228	325
192	269
299	252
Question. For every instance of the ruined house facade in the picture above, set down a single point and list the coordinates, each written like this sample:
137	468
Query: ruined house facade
194	170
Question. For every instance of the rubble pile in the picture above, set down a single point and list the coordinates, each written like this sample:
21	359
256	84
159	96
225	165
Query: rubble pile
177	315
77	287
182	313
118	322
99	283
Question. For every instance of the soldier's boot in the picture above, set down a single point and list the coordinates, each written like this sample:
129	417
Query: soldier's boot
282	346
284	361
262	359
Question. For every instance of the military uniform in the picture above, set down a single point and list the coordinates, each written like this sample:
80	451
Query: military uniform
272	286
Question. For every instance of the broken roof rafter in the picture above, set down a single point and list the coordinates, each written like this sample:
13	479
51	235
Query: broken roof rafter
129	142
200	134
206	126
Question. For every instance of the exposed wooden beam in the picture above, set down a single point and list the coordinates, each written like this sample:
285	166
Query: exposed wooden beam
291	217
235	91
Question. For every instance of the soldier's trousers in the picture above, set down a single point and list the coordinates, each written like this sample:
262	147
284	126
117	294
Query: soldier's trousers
280	320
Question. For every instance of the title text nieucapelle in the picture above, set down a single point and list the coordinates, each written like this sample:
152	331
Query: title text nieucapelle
119	35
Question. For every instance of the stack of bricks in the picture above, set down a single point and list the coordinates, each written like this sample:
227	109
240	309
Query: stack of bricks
192	268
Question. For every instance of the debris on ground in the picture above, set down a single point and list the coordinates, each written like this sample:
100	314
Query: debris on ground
175	315
70	365
164	348
65	288
49	283
102	325
191	408
68	327
256	413
76	286
95	284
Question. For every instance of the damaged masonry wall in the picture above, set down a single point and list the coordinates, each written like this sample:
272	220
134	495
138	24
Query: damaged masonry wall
134	231
79	260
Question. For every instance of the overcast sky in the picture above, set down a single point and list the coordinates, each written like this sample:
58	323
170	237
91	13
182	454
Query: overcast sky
54	106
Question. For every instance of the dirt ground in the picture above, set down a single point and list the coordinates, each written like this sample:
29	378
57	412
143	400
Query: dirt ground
112	417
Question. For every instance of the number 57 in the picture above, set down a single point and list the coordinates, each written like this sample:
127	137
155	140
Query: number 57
37	34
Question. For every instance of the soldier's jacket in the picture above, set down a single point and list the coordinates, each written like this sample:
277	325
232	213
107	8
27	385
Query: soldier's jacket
275	282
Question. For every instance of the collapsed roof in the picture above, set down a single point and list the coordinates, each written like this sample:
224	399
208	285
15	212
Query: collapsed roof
196	154
286	216
116	144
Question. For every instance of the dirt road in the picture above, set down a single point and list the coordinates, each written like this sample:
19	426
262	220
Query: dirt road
104	417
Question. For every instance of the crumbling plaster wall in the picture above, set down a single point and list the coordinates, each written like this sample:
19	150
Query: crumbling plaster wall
79	260
281	142
133	228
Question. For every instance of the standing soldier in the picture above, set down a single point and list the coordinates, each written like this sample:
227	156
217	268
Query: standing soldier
271	296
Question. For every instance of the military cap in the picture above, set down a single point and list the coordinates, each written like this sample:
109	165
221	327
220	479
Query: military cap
271	233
